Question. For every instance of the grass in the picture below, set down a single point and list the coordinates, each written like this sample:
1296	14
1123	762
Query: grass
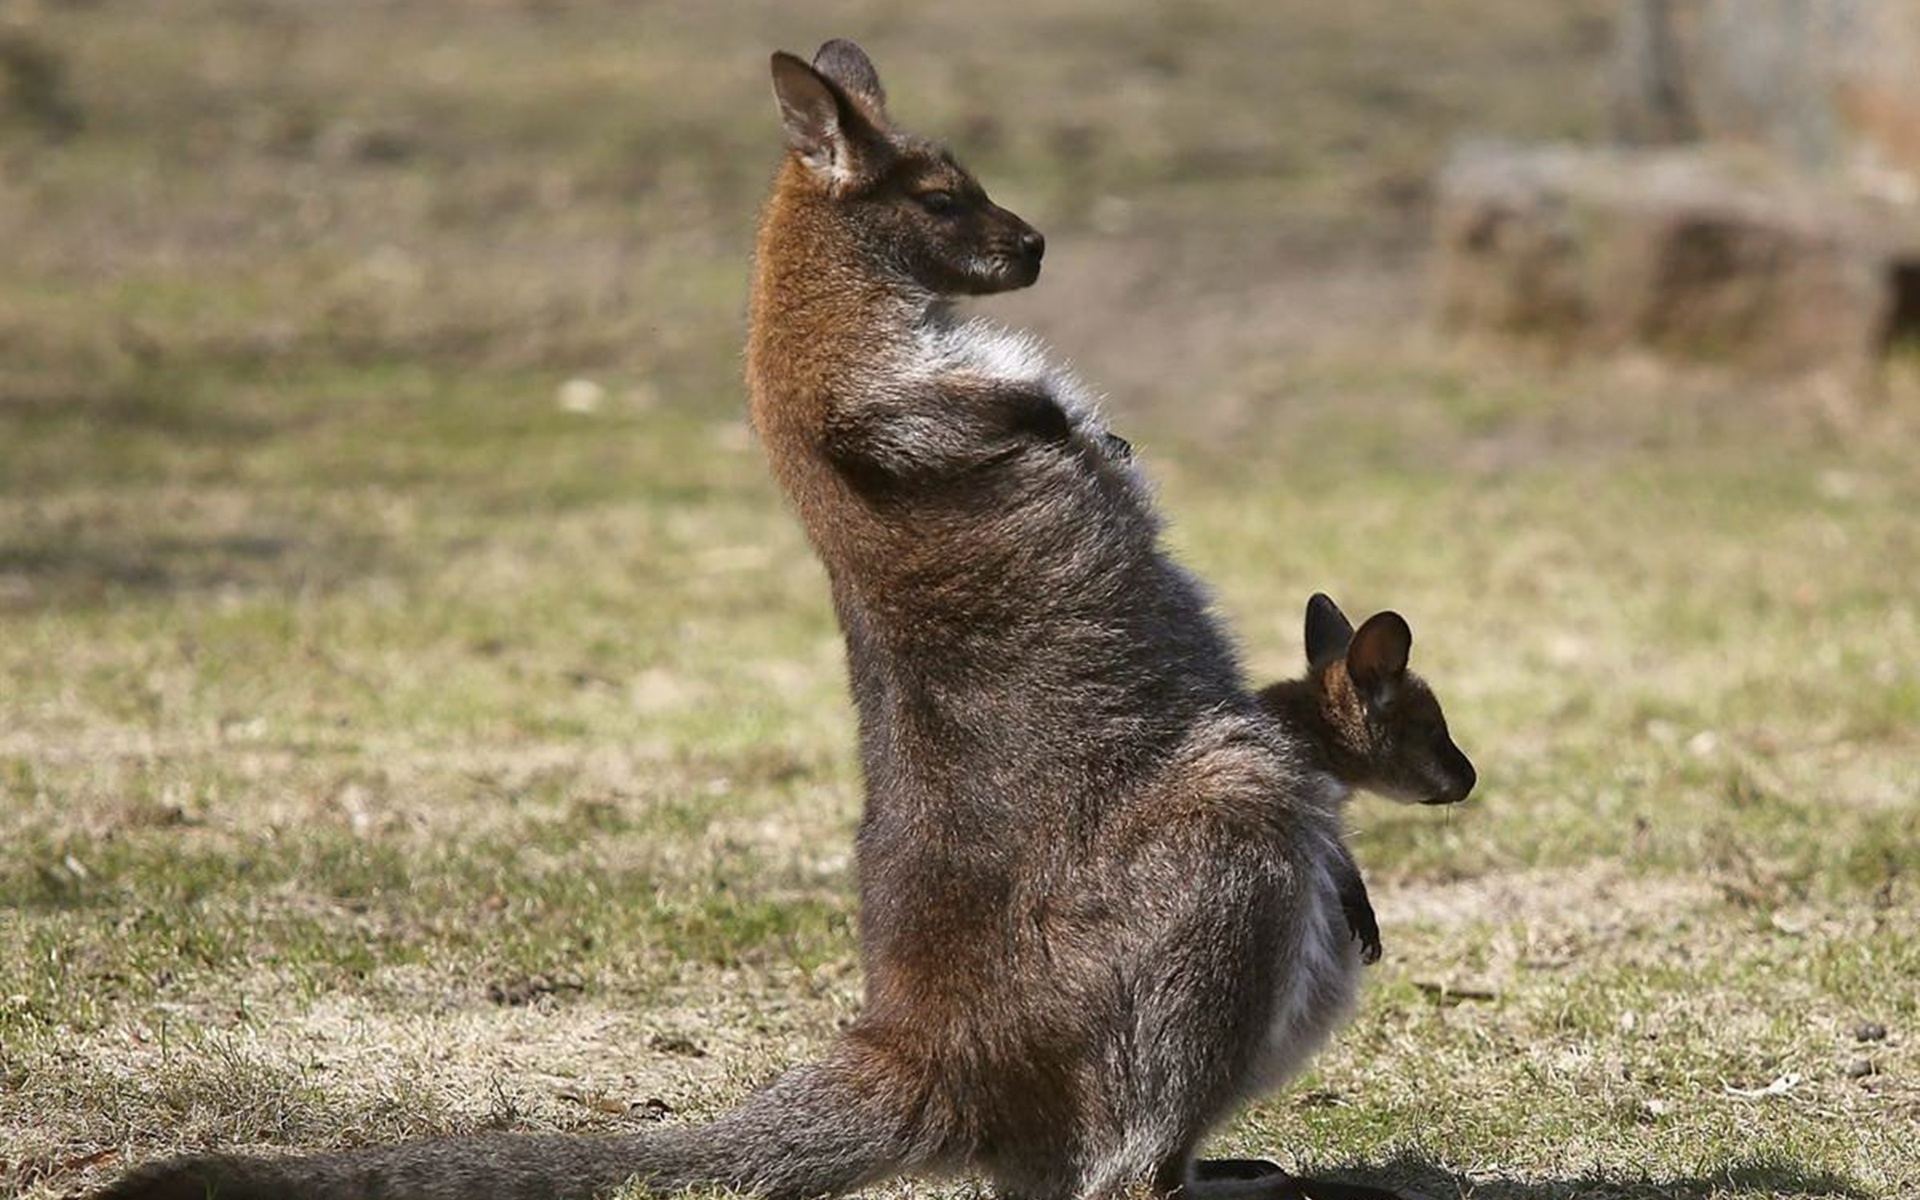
389	749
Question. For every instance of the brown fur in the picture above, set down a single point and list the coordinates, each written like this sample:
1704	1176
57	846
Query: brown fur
1100	885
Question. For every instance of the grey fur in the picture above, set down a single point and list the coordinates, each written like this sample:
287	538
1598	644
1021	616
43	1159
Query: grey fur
1100	886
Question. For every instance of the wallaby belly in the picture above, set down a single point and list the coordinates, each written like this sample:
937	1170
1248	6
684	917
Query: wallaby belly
1315	991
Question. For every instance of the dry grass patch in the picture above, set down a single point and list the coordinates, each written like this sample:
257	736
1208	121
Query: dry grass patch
418	714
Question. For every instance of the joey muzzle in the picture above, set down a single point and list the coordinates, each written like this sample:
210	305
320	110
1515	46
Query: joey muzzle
1459	779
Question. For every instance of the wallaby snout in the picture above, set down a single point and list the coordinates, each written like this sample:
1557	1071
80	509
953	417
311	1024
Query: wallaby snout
1457	777
1007	250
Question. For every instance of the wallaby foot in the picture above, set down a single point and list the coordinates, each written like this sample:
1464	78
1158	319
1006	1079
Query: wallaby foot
1212	1170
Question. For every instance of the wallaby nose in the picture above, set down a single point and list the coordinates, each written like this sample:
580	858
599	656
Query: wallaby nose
1032	244
1464	783
1456	778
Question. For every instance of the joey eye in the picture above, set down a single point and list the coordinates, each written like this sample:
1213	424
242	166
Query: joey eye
936	202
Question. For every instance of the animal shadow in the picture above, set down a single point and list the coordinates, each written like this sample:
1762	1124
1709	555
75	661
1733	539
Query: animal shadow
1757	1177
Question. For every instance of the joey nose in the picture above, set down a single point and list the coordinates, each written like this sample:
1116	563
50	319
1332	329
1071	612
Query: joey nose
1464	777
1033	245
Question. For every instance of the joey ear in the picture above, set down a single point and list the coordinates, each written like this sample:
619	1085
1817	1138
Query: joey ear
1328	631
1377	658
848	65
820	123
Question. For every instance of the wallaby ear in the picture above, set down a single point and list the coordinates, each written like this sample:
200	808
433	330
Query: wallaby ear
1328	632
820	123
1377	658
848	65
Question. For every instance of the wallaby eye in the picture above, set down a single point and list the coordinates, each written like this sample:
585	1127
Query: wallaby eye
936	202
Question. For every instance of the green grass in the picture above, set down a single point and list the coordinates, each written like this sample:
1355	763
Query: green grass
386	750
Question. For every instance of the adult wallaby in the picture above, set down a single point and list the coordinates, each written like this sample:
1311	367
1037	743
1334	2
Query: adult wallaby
1364	719
1099	884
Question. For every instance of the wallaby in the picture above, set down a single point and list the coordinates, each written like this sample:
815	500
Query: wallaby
1361	717
1099	885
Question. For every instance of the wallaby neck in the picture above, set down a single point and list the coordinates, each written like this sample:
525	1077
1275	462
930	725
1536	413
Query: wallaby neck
823	312
1296	704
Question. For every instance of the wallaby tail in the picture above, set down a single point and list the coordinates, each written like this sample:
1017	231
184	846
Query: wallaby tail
818	1131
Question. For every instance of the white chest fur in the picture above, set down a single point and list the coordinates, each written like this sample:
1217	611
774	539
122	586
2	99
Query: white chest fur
1319	975
987	351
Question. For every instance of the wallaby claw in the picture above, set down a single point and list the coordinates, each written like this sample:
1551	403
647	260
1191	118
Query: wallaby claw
1369	950
1361	921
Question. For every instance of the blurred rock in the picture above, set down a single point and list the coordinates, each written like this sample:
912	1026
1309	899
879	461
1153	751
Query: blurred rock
1696	253
1770	216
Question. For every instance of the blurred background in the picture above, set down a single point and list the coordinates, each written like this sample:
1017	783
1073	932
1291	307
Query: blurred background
418	712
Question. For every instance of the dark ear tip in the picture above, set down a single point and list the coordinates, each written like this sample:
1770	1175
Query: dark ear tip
1401	632
1320	607
1380	649
1328	632
848	66
1389	622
